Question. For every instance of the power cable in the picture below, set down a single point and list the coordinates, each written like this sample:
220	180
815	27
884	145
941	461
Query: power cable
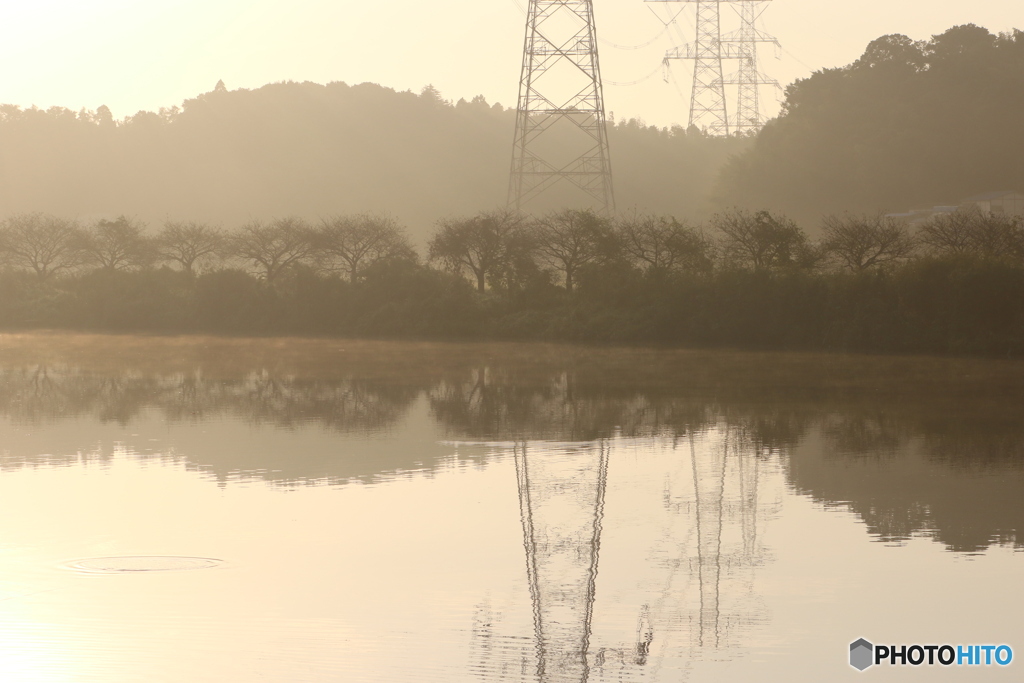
657	35
798	60
639	80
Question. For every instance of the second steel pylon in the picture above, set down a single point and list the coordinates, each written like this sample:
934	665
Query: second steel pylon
749	78
561	134
707	99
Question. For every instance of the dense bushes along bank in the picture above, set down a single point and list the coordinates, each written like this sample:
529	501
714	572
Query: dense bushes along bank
959	305
752	280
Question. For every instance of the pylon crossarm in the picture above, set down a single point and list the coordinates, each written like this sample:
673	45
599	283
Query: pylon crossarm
757	36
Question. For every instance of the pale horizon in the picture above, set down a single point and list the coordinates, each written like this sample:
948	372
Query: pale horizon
134	57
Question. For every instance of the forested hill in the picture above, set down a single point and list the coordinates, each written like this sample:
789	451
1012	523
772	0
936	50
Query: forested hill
310	150
908	125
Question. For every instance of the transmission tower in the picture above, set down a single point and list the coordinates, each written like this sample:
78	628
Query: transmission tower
707	97
708	109
749	78
560	122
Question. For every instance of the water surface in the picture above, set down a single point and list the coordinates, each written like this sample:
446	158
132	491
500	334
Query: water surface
416	512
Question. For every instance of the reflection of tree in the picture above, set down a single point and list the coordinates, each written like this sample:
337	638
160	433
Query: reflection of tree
771	428
43	393
975	441
911	446
349	406
957	479
873	432
343	405
490	403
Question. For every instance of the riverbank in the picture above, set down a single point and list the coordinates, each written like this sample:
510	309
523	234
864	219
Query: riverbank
952	306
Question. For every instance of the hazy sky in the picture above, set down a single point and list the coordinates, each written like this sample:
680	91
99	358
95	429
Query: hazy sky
145	54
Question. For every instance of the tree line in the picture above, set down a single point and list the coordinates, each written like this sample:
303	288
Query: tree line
49	246
911	124
745	278
321	149
502	250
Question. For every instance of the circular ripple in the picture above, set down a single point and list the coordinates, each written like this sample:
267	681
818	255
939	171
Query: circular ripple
142	563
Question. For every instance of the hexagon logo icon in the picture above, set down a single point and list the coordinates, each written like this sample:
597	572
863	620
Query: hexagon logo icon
861	654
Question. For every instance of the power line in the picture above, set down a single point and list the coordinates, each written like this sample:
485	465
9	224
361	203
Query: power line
657	35
621	84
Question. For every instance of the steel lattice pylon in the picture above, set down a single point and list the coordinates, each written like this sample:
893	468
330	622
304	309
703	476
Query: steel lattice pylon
707	97
560	123
708	109
749	78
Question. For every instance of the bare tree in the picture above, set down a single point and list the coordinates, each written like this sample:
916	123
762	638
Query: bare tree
44	244
569	239
484	245
351	243
762	241
119	244
664	244
969	230
866	241
951	233
1000	236
273	246
189	243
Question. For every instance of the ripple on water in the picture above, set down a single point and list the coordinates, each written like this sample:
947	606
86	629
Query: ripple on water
141	563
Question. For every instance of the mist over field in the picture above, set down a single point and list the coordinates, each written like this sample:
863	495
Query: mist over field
911	124
360	210
312	150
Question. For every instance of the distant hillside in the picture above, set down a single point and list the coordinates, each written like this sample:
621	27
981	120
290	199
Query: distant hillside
908	125
311	150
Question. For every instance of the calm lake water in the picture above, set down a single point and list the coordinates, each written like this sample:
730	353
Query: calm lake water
368	511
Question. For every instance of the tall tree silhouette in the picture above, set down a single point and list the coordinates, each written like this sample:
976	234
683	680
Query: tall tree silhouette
44	244
350	244
118	244
189	243
482	245
274	246
569	239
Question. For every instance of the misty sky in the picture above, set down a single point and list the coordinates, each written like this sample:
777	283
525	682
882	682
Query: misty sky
145	54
